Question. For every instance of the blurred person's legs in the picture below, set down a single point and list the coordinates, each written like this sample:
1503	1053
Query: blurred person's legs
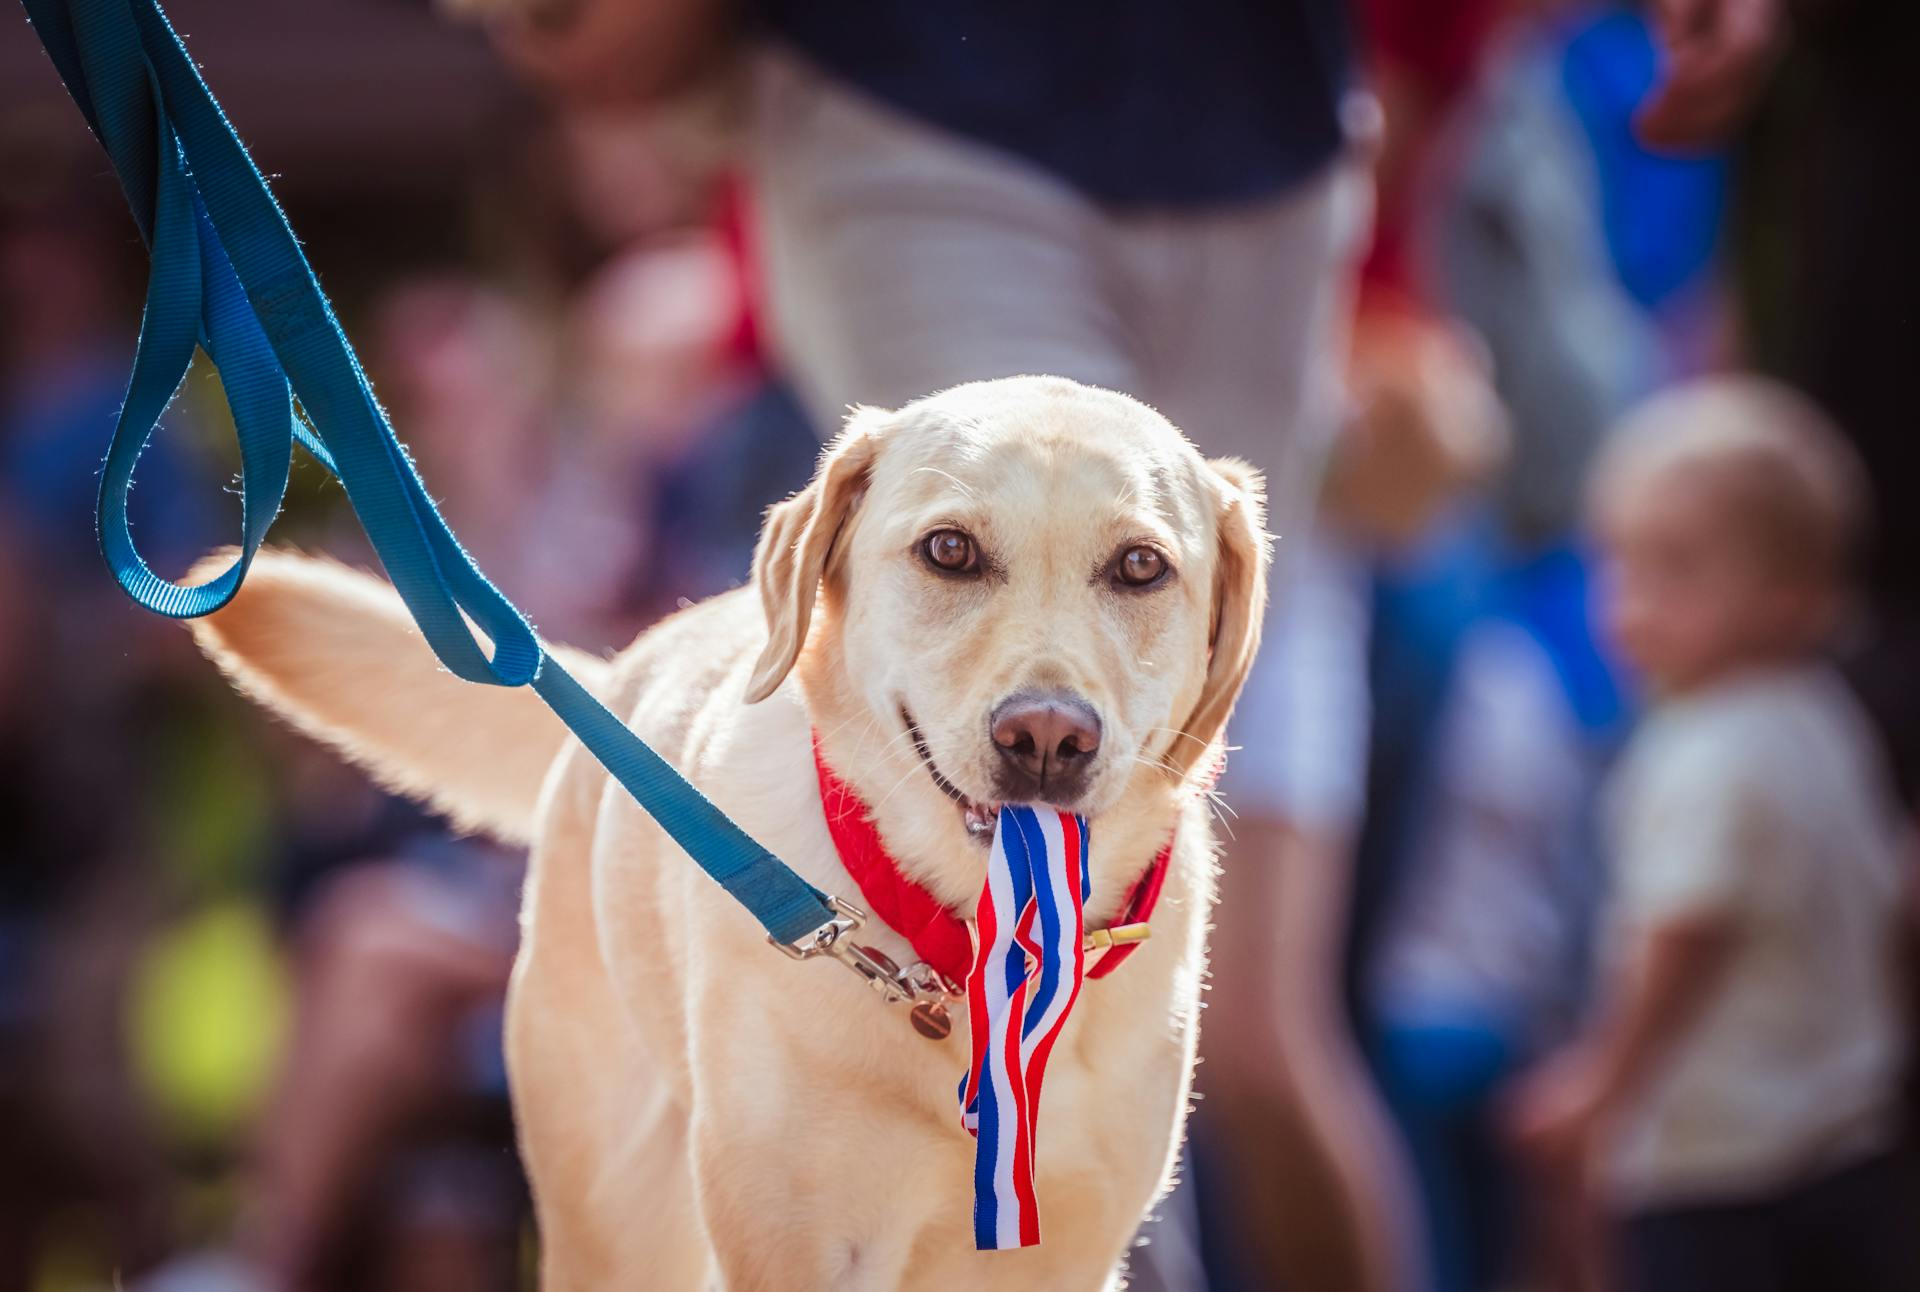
1252	335
1302	1135
388	966
1477	959
900	260
1441	1071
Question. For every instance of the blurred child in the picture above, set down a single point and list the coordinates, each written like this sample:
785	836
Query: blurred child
1733	1104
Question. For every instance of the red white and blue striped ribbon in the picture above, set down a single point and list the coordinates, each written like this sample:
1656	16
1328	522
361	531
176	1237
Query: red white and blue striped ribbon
1027	967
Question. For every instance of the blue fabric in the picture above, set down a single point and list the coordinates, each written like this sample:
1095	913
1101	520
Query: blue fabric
47	464
1609	66
1138	103
1441	1075
1550	594
1424	601
707	504
228	276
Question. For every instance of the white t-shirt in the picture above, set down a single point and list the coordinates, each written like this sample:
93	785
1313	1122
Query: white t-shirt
1763	798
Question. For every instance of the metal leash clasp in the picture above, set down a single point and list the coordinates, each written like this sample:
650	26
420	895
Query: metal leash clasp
824	939
919	984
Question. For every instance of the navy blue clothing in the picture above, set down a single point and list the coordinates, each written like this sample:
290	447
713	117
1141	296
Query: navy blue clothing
1852	1230
1134	102
707	506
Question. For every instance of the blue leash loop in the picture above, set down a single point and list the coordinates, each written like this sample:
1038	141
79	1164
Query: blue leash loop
229	277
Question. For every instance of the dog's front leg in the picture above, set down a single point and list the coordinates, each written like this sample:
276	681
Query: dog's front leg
814	1193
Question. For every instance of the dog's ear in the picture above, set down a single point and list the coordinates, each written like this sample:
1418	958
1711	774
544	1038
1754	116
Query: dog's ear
797	545
1239	607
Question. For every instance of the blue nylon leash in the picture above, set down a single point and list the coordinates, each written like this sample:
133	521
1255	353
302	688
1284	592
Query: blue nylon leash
229	277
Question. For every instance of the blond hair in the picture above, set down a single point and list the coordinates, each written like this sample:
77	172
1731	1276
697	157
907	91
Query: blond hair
1777	464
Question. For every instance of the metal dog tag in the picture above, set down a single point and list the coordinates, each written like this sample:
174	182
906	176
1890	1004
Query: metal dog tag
931	1020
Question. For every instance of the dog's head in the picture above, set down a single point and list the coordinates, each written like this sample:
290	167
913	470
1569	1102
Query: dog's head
1023	590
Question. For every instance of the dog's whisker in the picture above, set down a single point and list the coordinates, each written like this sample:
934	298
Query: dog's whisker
899	740
1220	810
872	722
907	776
896	750
890	750
1221	803
1184	735
1158	764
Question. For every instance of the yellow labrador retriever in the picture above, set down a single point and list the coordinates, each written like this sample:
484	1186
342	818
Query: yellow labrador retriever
1017	590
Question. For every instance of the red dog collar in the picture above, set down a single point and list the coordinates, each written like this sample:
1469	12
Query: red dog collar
938	936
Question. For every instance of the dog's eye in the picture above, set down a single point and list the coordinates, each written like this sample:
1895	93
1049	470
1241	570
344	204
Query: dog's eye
1141	567
951	551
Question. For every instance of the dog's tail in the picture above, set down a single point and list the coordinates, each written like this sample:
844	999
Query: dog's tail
335	653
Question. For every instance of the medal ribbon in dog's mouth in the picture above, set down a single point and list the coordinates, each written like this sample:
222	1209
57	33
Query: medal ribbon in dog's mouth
1027	967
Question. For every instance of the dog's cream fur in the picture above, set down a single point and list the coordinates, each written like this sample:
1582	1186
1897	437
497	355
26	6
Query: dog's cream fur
695	1108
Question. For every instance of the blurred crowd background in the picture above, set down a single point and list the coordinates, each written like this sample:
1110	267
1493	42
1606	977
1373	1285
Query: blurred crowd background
249	1004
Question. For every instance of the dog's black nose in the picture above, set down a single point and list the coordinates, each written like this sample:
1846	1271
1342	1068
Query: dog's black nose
1046	740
